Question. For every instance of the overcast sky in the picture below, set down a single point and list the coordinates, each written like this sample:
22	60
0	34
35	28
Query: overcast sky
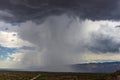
43	33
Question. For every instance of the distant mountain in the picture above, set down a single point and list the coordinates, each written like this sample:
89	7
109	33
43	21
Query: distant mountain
106	67
7	70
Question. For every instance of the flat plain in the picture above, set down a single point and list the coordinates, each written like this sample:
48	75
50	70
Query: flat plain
24	75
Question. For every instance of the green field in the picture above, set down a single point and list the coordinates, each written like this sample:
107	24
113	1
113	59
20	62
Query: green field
16	75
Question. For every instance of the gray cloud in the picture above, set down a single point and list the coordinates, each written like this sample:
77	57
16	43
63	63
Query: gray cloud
59	30
38	9
63	38
104	44
51	36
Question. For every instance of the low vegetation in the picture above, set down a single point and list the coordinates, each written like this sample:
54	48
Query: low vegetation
4	75
14	75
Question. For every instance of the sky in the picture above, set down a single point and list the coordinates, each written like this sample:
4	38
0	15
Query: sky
45	33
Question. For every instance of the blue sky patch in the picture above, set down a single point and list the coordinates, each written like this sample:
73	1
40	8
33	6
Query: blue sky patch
5	51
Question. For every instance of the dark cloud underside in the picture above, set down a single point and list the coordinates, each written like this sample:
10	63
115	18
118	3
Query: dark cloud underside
104	44
36	9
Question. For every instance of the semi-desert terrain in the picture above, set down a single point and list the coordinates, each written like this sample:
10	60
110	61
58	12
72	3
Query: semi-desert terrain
22	75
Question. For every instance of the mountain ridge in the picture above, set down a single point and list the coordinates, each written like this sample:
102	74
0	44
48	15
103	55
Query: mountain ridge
105	67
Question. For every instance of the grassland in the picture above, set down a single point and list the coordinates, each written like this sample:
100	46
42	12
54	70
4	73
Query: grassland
16	75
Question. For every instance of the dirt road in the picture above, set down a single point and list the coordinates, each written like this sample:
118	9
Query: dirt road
35	77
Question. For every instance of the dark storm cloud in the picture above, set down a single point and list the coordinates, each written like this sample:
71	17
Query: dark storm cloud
104	44
36	9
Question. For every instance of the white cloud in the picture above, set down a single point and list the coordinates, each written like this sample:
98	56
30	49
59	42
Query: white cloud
92	57
7	39
9	35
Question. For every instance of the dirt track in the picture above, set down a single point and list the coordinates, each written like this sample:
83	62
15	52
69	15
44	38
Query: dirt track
35	77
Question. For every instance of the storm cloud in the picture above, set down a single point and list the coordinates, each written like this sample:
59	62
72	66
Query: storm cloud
63	38
62	31
37	9
104	45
